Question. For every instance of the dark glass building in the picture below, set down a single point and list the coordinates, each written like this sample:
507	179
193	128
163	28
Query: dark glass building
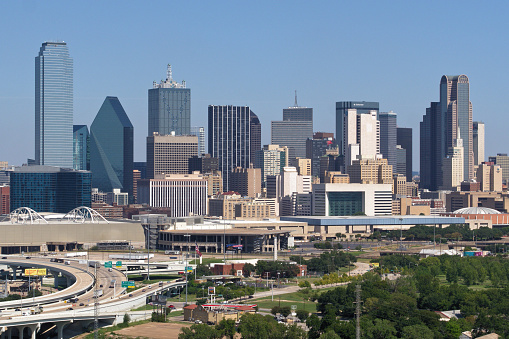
142	167
430	149
81	148
316	149
404	139
342	107
111	148
169	107
50	189
439	131
293	131
230	137
388	137
204	164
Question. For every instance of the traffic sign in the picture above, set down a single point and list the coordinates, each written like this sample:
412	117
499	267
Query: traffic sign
108	264
189	269
127	284
118	264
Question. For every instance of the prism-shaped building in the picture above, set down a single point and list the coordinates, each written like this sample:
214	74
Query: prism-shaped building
111	148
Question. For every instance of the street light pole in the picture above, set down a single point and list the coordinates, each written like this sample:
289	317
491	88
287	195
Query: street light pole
148	253
187	257
401	234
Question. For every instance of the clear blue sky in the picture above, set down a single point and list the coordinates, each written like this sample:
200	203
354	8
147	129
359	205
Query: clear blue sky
257	53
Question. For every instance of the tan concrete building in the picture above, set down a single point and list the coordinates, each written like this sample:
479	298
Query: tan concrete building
246	181
336	177
303	166
399	184
496	200
489	176
231	205
370	171
169	154
214	183
215	313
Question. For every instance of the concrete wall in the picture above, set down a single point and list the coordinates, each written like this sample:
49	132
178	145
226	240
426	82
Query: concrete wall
37	234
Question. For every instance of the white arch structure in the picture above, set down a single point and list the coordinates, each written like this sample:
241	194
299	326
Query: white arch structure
83	213
26	215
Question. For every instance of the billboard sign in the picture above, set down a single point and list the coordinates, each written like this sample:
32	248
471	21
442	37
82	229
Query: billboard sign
34	272
212	290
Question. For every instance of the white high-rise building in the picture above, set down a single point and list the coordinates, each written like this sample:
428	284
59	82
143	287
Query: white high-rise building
452	165
361	136
184	194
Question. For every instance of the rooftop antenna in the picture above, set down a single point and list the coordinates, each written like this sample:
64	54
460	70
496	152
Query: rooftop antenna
168	73
296	99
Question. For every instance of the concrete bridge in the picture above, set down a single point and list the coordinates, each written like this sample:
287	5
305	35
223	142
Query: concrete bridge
111	312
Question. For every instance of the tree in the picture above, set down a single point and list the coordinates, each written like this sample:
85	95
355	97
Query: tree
304	284
314	324
330	334
247	269
378	329
275	310
285	311
302	315
256	326
417	331
227	328
199	331
202	270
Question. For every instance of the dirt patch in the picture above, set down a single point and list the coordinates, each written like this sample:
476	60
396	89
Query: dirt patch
153	330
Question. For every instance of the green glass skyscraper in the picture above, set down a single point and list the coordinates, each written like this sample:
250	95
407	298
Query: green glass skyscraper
111	148
54	106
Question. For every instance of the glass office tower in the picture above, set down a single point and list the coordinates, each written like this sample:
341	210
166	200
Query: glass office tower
50	189
54	106
81	149
230	136
111	148
169	107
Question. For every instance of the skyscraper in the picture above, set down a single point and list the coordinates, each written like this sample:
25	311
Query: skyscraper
430	148
169	154
230	137
200	133
294	130
169	107
111	148
452	165
317	147
341	109
404	138
456	114
388	136
439	131
50	188
81	149
361	136
54	105
478	136
292	134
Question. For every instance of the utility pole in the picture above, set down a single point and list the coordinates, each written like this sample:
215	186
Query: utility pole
358	312
96	304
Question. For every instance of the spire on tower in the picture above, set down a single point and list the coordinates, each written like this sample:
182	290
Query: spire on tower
169	76
296	99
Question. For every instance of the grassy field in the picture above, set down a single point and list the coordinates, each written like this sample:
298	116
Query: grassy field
481	286
289	299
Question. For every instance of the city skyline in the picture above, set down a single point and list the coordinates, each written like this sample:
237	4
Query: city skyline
241	79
